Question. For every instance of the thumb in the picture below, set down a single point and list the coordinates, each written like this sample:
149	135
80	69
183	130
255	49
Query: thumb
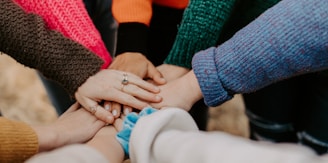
154	74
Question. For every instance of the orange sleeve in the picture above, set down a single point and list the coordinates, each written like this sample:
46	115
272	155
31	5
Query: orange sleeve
140	11
127	11
18	141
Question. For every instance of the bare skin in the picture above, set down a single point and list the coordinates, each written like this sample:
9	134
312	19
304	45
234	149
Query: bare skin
67	129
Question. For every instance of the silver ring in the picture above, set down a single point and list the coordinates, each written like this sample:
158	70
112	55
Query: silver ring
93	109
125	80
122	87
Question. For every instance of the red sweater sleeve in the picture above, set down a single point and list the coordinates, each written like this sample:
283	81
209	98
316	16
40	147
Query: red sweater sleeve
72	20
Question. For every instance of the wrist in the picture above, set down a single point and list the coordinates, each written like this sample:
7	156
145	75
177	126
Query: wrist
132	37
192	85
171	72
47	138
105	142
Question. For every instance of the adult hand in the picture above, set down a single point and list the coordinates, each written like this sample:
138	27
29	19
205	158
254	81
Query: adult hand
106	143
182	93
137	64
74	126
172	72
116	108
117	86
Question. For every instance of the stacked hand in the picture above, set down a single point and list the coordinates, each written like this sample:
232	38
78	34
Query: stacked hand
105	142
106	92
76	125
115	86
182	92
162	76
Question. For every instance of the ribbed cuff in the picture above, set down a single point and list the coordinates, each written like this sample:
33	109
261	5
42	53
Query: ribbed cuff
132	37
200	29
18	141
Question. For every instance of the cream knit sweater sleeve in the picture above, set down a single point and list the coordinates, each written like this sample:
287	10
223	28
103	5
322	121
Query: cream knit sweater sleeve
171	135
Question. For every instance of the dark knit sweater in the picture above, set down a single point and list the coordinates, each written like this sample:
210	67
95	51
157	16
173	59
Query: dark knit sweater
289	39
25	38
205	22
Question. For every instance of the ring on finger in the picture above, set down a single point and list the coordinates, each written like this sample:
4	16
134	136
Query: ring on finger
122	87
125	80
93	109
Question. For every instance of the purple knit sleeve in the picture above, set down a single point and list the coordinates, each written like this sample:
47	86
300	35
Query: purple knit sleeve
287	40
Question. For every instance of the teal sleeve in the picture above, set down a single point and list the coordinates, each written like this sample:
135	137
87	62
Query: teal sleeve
200	28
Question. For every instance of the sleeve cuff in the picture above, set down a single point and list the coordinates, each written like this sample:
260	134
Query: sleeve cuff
132	37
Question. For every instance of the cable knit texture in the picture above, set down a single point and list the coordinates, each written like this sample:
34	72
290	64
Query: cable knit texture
26	38
72	20
205	20
18	141
289	39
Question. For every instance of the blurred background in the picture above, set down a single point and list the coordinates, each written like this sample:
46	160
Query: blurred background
22	95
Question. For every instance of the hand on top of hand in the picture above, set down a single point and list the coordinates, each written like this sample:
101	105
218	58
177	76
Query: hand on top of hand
115	86
182	93
137	64
76	125
172	72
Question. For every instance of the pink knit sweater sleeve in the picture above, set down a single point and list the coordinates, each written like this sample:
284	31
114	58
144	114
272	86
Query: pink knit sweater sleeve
72	20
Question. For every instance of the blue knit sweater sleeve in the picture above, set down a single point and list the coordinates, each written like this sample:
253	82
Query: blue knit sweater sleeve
289	39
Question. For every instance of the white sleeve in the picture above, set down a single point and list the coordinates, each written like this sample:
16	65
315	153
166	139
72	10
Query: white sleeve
78	153
171	135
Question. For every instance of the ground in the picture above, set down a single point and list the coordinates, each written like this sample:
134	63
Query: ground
23	98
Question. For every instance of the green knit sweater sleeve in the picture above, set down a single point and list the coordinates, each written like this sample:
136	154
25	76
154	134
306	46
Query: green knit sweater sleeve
200	28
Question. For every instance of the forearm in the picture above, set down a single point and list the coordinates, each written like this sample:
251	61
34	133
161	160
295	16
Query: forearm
200	28
77	153
71	19
47	138
25	38
134	19
222	147
172	136
287	40
189	81
109	148
105	142
134	34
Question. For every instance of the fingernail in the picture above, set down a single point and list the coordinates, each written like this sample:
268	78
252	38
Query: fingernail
110	119
126	111
158	97
114	112
107	107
